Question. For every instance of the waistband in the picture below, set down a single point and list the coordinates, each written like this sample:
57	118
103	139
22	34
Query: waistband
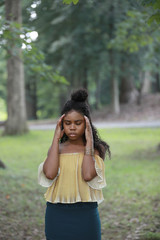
74	205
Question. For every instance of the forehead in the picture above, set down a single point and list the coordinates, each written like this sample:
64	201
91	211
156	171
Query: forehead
73	115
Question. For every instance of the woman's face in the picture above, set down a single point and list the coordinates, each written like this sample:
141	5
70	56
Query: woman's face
74	125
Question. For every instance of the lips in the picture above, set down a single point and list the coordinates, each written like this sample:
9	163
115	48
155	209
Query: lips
72	134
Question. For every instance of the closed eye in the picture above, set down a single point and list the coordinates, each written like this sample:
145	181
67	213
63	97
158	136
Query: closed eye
78	122
67	122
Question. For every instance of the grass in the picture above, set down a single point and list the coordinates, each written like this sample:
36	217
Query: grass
131	209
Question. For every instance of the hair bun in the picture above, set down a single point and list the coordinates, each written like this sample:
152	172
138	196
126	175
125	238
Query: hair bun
80	95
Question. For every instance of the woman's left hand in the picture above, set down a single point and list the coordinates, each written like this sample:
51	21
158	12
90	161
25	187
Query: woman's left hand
88	132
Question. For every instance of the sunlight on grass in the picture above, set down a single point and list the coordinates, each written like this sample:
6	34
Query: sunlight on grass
3	111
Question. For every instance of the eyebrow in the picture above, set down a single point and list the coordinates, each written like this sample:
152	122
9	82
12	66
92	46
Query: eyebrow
75	120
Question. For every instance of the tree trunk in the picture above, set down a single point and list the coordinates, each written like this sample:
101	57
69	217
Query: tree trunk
115	87
31	99
97	93
157	78
128	93
85	83
16	107
146	85
114	82
157	85
115	96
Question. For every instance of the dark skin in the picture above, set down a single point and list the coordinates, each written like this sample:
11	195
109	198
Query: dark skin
75	125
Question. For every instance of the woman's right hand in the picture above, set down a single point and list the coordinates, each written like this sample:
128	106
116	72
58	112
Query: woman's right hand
58	131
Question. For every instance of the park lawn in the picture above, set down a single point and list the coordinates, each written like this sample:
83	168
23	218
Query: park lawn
131	209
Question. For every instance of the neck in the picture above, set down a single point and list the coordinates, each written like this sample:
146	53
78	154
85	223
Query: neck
75	142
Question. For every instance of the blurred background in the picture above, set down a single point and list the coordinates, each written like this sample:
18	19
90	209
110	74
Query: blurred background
48	49
111	48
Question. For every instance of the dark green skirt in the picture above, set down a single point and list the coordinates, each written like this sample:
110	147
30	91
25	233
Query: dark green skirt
76	221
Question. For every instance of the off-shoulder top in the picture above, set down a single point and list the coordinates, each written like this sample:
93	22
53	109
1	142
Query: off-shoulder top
68	186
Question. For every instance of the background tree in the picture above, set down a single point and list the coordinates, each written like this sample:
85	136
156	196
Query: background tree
106	47
79	47
16	107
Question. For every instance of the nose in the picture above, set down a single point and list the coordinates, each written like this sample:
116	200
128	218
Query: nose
72	127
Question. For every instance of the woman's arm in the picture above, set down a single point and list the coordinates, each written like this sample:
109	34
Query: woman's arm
88	165
51	164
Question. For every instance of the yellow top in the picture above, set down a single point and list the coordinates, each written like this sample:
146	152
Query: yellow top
68	186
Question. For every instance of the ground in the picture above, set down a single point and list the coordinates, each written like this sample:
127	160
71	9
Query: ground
131	206
148	110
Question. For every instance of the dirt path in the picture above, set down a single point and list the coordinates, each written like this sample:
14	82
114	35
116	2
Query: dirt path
153	124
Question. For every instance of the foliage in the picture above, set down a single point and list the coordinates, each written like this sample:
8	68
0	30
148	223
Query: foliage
151	236
155	6
13	37
12	33
80	51
132	33
75	44
70	1
35	61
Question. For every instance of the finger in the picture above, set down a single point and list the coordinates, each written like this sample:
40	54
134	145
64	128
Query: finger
63	115
86	119
60	119
87	122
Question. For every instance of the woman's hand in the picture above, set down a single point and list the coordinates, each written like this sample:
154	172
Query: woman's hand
58	131
88	133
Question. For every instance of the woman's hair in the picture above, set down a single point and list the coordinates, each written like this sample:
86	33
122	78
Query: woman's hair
78	102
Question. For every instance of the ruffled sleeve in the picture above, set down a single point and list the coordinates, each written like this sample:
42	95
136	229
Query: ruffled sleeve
42	179
99	181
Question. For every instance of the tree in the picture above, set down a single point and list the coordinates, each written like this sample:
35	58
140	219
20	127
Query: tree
76	47
75	42
16	107
133	36
154	6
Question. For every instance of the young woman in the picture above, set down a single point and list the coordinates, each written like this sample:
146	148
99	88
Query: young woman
74	173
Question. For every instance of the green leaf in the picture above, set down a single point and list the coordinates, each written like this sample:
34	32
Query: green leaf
67	1
154	17
131	14
75	1
157	5
70	1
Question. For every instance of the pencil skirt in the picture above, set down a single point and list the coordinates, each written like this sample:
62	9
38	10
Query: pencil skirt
74	221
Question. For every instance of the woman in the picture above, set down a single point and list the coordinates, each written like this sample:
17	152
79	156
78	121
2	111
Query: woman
74	173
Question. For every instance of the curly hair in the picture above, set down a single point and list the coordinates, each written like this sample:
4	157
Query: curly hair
78	102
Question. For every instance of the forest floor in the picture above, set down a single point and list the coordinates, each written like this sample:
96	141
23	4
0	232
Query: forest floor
148	110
